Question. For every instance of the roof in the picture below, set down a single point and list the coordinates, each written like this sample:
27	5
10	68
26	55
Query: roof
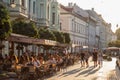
66	8
80	11
93	14
76	11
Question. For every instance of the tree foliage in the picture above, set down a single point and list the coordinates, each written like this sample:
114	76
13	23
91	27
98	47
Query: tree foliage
5	25
118	33
54	35
114	43
24	28
67	38
46	34
59	36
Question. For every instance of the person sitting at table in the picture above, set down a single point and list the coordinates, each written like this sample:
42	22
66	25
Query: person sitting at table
36	62
30	62
14	60
7	64
52	60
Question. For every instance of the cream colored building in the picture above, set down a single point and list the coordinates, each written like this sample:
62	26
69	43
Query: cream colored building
73	20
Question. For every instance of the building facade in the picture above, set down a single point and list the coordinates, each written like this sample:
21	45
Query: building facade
44	13
73	20
86	27
102	33
92	40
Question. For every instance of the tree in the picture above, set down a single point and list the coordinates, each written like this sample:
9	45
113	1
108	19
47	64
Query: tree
20	26
118	33
59	36
5	25
114	43
67	38
46	34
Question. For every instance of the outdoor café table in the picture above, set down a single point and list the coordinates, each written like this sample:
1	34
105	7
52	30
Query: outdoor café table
44	69
26	71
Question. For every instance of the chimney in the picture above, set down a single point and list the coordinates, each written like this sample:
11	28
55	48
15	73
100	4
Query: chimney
92	9
70	5
100	15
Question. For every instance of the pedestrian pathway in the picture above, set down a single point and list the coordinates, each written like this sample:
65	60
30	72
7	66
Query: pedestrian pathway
112	75
106	69
76	73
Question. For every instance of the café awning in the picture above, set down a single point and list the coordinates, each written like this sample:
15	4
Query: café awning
29	40
20	38
44	42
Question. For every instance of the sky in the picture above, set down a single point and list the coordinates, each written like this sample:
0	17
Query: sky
109	9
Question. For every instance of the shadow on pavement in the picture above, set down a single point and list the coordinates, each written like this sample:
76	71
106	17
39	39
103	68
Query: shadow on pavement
92	72
70	72
89	71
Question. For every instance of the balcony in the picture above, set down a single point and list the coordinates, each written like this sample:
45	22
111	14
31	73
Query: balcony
43	22
18	11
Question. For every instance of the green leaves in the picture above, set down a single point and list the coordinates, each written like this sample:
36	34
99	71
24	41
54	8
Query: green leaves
24	28
5	25
54	35
118	33
29	29
59	36
67	38
114	43
46	34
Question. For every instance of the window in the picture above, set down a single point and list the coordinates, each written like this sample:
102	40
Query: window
75	26
41	10
22	3
48	12
34	7
29	5
60	26
72	25
53	17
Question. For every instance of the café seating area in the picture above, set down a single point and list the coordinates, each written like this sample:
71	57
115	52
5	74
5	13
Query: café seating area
19	67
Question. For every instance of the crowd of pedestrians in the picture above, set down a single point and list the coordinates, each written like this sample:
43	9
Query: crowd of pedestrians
97	58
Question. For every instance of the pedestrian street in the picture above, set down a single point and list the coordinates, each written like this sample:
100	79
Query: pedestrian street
76	73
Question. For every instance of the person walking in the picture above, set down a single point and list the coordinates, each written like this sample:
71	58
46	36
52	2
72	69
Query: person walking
86	58
100	59
82	57
95	57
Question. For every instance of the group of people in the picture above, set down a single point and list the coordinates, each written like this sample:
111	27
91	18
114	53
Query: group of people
97	58
31	59
60	60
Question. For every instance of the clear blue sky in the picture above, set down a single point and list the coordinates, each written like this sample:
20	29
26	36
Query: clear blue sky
109	9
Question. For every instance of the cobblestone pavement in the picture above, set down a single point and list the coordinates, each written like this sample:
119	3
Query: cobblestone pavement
112	75
76	73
